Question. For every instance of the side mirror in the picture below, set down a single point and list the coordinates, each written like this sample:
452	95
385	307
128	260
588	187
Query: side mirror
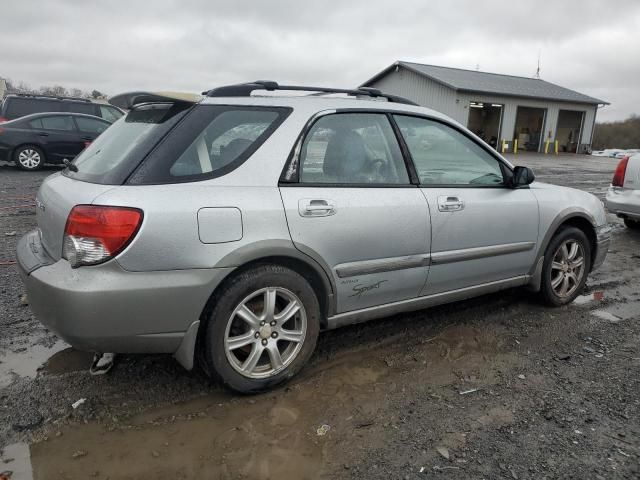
522	176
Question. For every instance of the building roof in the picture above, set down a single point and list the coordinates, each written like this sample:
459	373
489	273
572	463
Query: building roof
491	83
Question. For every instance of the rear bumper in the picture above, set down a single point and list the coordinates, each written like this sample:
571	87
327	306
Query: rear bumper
108	309
623	202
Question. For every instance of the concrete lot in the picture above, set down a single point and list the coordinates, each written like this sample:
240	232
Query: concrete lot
495	387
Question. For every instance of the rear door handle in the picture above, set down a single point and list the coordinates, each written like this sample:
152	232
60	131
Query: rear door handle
316	207
42	134
450	204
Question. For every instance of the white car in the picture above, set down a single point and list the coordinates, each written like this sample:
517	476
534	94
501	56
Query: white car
623	196
607	152
627	153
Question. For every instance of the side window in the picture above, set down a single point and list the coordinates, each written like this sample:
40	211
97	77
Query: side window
21	106
110	114
352	148
37	123
444	156
91	125
224	140
58	122
81	107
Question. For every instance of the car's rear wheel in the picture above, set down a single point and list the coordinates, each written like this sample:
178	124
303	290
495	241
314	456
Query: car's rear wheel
29	157
262	329
632	224
566	265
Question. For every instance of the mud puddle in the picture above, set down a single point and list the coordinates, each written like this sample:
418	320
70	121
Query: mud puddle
299	431
25	362
619	302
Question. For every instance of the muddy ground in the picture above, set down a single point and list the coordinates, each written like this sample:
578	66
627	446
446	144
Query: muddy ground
495	387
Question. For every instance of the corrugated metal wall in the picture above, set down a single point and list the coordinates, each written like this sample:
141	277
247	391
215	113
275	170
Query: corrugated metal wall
456	105
424	92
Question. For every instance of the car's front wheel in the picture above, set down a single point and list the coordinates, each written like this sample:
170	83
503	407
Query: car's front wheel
566	265
632	224
262	329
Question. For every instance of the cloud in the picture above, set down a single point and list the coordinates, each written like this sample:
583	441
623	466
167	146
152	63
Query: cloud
197	44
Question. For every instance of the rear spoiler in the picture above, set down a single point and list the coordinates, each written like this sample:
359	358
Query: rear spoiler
129	100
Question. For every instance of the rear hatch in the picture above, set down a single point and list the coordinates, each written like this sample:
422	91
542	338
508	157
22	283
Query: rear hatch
102	166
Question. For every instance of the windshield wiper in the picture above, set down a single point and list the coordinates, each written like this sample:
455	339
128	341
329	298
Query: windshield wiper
70	165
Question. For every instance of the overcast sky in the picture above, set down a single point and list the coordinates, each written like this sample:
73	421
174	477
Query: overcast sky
114	46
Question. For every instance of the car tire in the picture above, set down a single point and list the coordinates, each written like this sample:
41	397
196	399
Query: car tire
29	157
567	262
252	341
632	224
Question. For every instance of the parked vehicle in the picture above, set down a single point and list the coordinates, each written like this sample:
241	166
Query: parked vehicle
608	152
34	140
235	228
626	153
19	105
623	196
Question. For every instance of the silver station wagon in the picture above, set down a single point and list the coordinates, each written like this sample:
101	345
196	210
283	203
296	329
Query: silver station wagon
232	228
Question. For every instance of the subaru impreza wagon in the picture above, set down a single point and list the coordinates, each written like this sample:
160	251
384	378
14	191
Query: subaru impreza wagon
231	229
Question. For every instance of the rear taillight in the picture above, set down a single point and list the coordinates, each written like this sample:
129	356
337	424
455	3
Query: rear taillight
95	233
621	170
2	119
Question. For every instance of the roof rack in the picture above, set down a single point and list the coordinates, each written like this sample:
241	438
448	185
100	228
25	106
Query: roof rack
245	89
58	97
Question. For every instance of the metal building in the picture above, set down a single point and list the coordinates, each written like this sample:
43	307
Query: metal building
504	110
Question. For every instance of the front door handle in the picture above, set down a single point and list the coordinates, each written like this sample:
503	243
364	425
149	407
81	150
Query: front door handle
316	207
450	204
42	134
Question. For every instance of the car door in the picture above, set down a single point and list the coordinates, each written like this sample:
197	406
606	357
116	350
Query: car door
90	128
58	136
482	230
350	205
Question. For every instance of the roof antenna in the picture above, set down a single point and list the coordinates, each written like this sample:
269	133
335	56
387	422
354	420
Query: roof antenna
537	75
477	67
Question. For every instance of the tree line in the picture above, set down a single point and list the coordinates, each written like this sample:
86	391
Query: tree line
54	90
620	134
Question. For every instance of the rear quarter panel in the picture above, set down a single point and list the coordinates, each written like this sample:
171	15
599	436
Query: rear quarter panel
169	238
632	176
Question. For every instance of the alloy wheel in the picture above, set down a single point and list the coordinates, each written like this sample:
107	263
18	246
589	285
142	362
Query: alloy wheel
29	158
567	268
265	332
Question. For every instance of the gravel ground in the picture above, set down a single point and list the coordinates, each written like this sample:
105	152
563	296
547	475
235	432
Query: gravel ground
494	387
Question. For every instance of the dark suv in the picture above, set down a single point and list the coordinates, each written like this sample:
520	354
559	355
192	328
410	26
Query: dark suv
16	106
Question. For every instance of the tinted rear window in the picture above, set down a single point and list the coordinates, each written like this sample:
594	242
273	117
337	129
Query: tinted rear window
212	141
109	113
79	107
112	157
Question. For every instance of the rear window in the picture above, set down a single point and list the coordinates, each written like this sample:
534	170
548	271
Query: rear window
16	107
112	157
208	141
109	113
80	107
212	141
91	125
